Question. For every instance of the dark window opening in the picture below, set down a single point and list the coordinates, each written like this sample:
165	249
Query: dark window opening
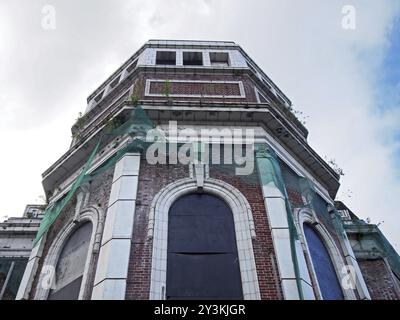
11	273
219	59
328	281
166	58
132	66
114	83
192	58
99	96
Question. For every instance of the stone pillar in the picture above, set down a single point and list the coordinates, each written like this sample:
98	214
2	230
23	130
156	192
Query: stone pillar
277	217
30	270
351	260
112	265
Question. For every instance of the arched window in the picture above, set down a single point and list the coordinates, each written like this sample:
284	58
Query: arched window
328	281
202	257
71	264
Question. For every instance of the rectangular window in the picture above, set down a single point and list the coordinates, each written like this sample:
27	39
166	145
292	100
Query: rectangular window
99	96
132	66
114	83
166	58
192	58
220	59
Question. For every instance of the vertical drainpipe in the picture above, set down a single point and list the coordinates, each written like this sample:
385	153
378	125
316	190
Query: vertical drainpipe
294	277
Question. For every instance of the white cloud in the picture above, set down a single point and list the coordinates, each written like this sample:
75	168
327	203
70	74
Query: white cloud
328	73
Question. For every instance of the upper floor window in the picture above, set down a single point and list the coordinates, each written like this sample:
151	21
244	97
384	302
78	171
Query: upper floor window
114	83
166	58
99	96
325	273
132	66
192	58
220	59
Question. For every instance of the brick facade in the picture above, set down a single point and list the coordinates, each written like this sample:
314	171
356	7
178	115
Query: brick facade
379	279
191	87
195	88
151	180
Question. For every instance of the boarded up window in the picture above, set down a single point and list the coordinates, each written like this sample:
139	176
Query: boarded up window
323	266
71	265
202	261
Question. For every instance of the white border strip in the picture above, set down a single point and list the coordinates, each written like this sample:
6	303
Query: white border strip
240	83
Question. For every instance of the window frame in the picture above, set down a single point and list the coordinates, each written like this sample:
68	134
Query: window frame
93	215
218	63
164	60
192	53
308	216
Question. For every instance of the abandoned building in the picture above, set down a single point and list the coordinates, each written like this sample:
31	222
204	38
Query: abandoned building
229	201
16	242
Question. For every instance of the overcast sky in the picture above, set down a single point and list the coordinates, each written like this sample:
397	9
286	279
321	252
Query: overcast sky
346	81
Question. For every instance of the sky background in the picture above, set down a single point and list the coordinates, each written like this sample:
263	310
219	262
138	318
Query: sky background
346	82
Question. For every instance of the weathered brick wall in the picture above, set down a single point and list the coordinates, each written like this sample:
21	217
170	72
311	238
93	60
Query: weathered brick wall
264	254
151	180
195	88
379	280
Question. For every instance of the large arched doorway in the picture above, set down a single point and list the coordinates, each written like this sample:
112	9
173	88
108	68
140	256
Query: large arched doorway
202	257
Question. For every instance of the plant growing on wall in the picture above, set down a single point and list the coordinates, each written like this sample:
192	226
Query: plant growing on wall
111	124
137	92
166	91
298	114
77	128
206	89
334	166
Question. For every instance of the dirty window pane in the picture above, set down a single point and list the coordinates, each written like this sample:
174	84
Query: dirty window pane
323	266
71	264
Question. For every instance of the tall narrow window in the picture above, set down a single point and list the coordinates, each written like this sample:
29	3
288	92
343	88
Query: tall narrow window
323	266
71	265
202	258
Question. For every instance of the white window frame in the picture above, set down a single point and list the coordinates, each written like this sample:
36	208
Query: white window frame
93	215
240	83
244	229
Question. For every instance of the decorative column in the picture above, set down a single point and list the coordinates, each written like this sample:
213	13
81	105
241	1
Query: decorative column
112	265
351	260
277	214
30	270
